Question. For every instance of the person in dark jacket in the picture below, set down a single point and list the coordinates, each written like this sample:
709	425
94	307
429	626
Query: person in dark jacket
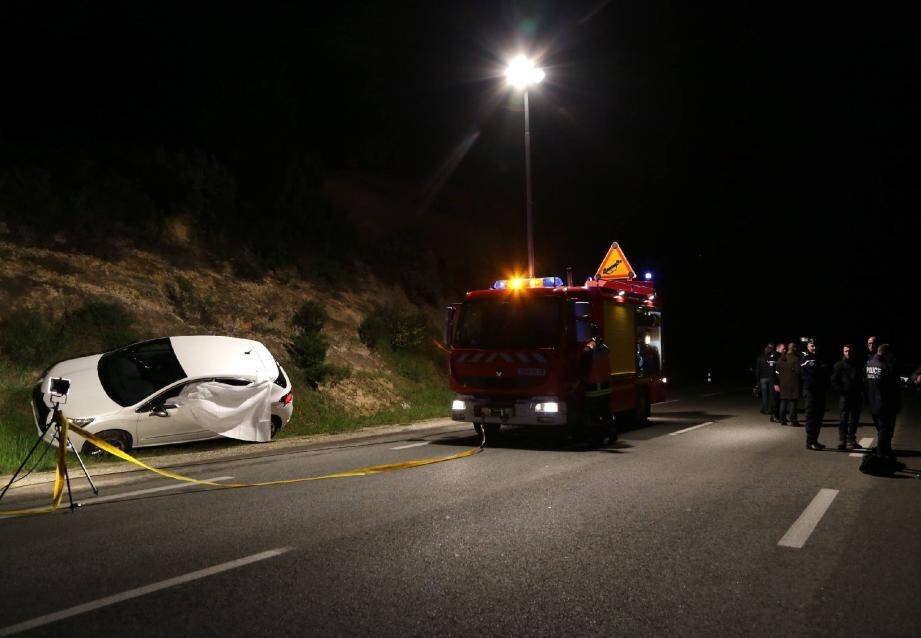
787	371
847	380
775	392
764	373
815	387
870	352
595	373
883	397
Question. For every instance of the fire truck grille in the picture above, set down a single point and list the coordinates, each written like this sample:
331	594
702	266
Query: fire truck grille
501	383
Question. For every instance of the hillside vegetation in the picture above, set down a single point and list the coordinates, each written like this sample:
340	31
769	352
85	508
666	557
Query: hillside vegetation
382	362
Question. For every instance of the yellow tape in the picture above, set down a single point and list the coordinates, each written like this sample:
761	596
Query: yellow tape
102	445
59	479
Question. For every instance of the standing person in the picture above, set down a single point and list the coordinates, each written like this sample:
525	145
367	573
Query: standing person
764	373
871	349
775	392
815	387
884	397
847	381
787	371
595	364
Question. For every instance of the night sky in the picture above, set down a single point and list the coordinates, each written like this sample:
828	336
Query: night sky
762	159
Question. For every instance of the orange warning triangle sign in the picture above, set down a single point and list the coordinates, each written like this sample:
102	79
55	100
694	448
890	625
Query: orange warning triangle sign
615	265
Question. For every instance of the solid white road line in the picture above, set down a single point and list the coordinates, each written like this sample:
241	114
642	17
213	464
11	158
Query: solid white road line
153	490
866	443
669	401
800	531
403	447
140	591
693	427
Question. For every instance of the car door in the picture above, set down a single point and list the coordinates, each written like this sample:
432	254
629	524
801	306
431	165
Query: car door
161	420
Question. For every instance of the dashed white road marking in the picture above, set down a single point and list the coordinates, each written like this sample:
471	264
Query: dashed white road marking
865	443
669	401
140	591
153	490
403	447
800	531
693	427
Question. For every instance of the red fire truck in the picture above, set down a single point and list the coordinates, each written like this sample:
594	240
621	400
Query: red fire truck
515	349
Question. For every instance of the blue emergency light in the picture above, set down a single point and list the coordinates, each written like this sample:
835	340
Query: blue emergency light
527	282
647	275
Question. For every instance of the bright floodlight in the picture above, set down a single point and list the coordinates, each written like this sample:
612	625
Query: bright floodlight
521	73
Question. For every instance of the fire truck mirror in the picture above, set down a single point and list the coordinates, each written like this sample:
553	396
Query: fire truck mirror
582	310
450	312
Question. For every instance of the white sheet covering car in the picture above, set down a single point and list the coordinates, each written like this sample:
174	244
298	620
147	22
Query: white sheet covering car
172	390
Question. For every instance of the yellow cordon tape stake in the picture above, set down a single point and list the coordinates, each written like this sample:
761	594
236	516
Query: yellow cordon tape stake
102	445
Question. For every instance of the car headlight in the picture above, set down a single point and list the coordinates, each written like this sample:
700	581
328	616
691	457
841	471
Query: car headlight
458	406
550	407
84	421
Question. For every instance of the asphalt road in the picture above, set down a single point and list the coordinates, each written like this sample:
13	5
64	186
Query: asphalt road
729	528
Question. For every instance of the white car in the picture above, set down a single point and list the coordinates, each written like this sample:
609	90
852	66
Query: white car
126	396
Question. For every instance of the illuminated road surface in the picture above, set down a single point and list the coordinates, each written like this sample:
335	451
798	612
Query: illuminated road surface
708	521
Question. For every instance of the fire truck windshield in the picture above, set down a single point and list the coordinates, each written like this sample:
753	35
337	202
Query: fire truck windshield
516	322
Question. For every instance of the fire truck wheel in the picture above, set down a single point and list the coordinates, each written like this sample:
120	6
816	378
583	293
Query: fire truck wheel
639	416
641	413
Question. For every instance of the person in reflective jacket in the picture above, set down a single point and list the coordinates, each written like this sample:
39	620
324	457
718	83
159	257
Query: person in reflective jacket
847	381
595	364
884	398
775	391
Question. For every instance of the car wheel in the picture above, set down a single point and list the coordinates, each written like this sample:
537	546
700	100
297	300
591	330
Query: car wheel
276	426
116	438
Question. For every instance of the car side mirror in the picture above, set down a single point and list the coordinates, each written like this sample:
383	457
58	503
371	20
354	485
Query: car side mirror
161	411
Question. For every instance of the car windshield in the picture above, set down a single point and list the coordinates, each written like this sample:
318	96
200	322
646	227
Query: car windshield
134	372
518	321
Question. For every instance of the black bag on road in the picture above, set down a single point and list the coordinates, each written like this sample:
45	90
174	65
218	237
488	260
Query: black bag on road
880	466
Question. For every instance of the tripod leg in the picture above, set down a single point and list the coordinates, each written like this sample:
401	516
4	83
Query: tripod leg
41	437
70	496
85	471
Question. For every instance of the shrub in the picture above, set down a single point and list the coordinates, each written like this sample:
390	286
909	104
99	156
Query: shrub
29	338
98	326
394	328
311	317
309	346
309	353
189	303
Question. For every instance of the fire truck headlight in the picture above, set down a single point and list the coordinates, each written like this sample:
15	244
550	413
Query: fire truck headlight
551	407
458	406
